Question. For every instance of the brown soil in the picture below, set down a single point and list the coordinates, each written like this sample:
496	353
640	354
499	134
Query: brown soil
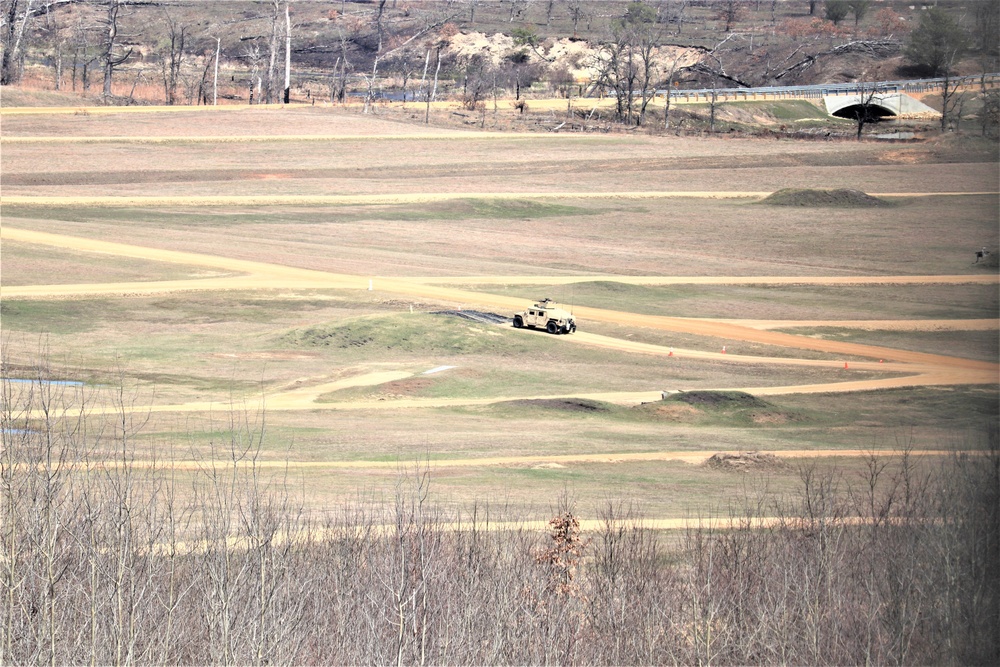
676	413
745	461
769	418
278	355
691	457
403	388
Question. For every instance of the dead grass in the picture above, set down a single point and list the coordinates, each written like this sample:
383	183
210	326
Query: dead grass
230	348
30	264
671	237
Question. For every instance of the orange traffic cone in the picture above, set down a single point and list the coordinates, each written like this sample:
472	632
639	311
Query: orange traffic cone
723	349
671	352
845	365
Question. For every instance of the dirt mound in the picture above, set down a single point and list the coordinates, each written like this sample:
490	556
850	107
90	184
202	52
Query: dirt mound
843	198
745	461
723	399
990	261
562	404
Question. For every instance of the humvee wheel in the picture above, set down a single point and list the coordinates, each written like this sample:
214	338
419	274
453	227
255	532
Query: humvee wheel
572	328
518	322
551	327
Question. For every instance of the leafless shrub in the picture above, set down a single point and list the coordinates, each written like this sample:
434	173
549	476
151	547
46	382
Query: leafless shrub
106	558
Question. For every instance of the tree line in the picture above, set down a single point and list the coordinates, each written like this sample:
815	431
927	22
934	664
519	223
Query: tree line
638	47
109	556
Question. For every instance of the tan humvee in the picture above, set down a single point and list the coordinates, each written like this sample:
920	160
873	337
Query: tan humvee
544	315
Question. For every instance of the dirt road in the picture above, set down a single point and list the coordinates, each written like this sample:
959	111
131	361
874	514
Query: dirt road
405	198
555	460
875	325
916	368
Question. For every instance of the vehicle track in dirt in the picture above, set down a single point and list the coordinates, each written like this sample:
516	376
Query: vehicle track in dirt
689	457
919	368
874	325
115	201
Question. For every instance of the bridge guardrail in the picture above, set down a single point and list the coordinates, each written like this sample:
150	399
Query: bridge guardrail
817	91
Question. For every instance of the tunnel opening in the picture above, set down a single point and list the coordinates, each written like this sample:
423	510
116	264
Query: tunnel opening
870	113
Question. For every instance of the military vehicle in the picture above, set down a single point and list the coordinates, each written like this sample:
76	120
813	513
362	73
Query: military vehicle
544	315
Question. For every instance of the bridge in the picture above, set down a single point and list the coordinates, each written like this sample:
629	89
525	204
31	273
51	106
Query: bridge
891	98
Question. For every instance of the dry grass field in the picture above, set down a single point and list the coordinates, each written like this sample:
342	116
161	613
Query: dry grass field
856	328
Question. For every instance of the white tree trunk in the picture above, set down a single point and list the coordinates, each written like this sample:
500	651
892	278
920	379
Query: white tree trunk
215	82
288	54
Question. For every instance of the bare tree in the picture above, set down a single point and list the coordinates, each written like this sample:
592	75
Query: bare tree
272	51
85	53
952	100
288	55
379	34
57	37
870	99
860	9
16	17
379	53
338	79
254	56
112	553
668	88
112	56
712	65
174	58
627	64
431	92
517	9
576	11
876	48
731	11
989	113
673	12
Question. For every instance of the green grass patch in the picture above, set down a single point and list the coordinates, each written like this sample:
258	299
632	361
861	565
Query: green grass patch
841	198
719	400
459	209
466	382
14	96
950	408
719	408
982	345
82	315
520	209
166	218
53	317
793	110
409	333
